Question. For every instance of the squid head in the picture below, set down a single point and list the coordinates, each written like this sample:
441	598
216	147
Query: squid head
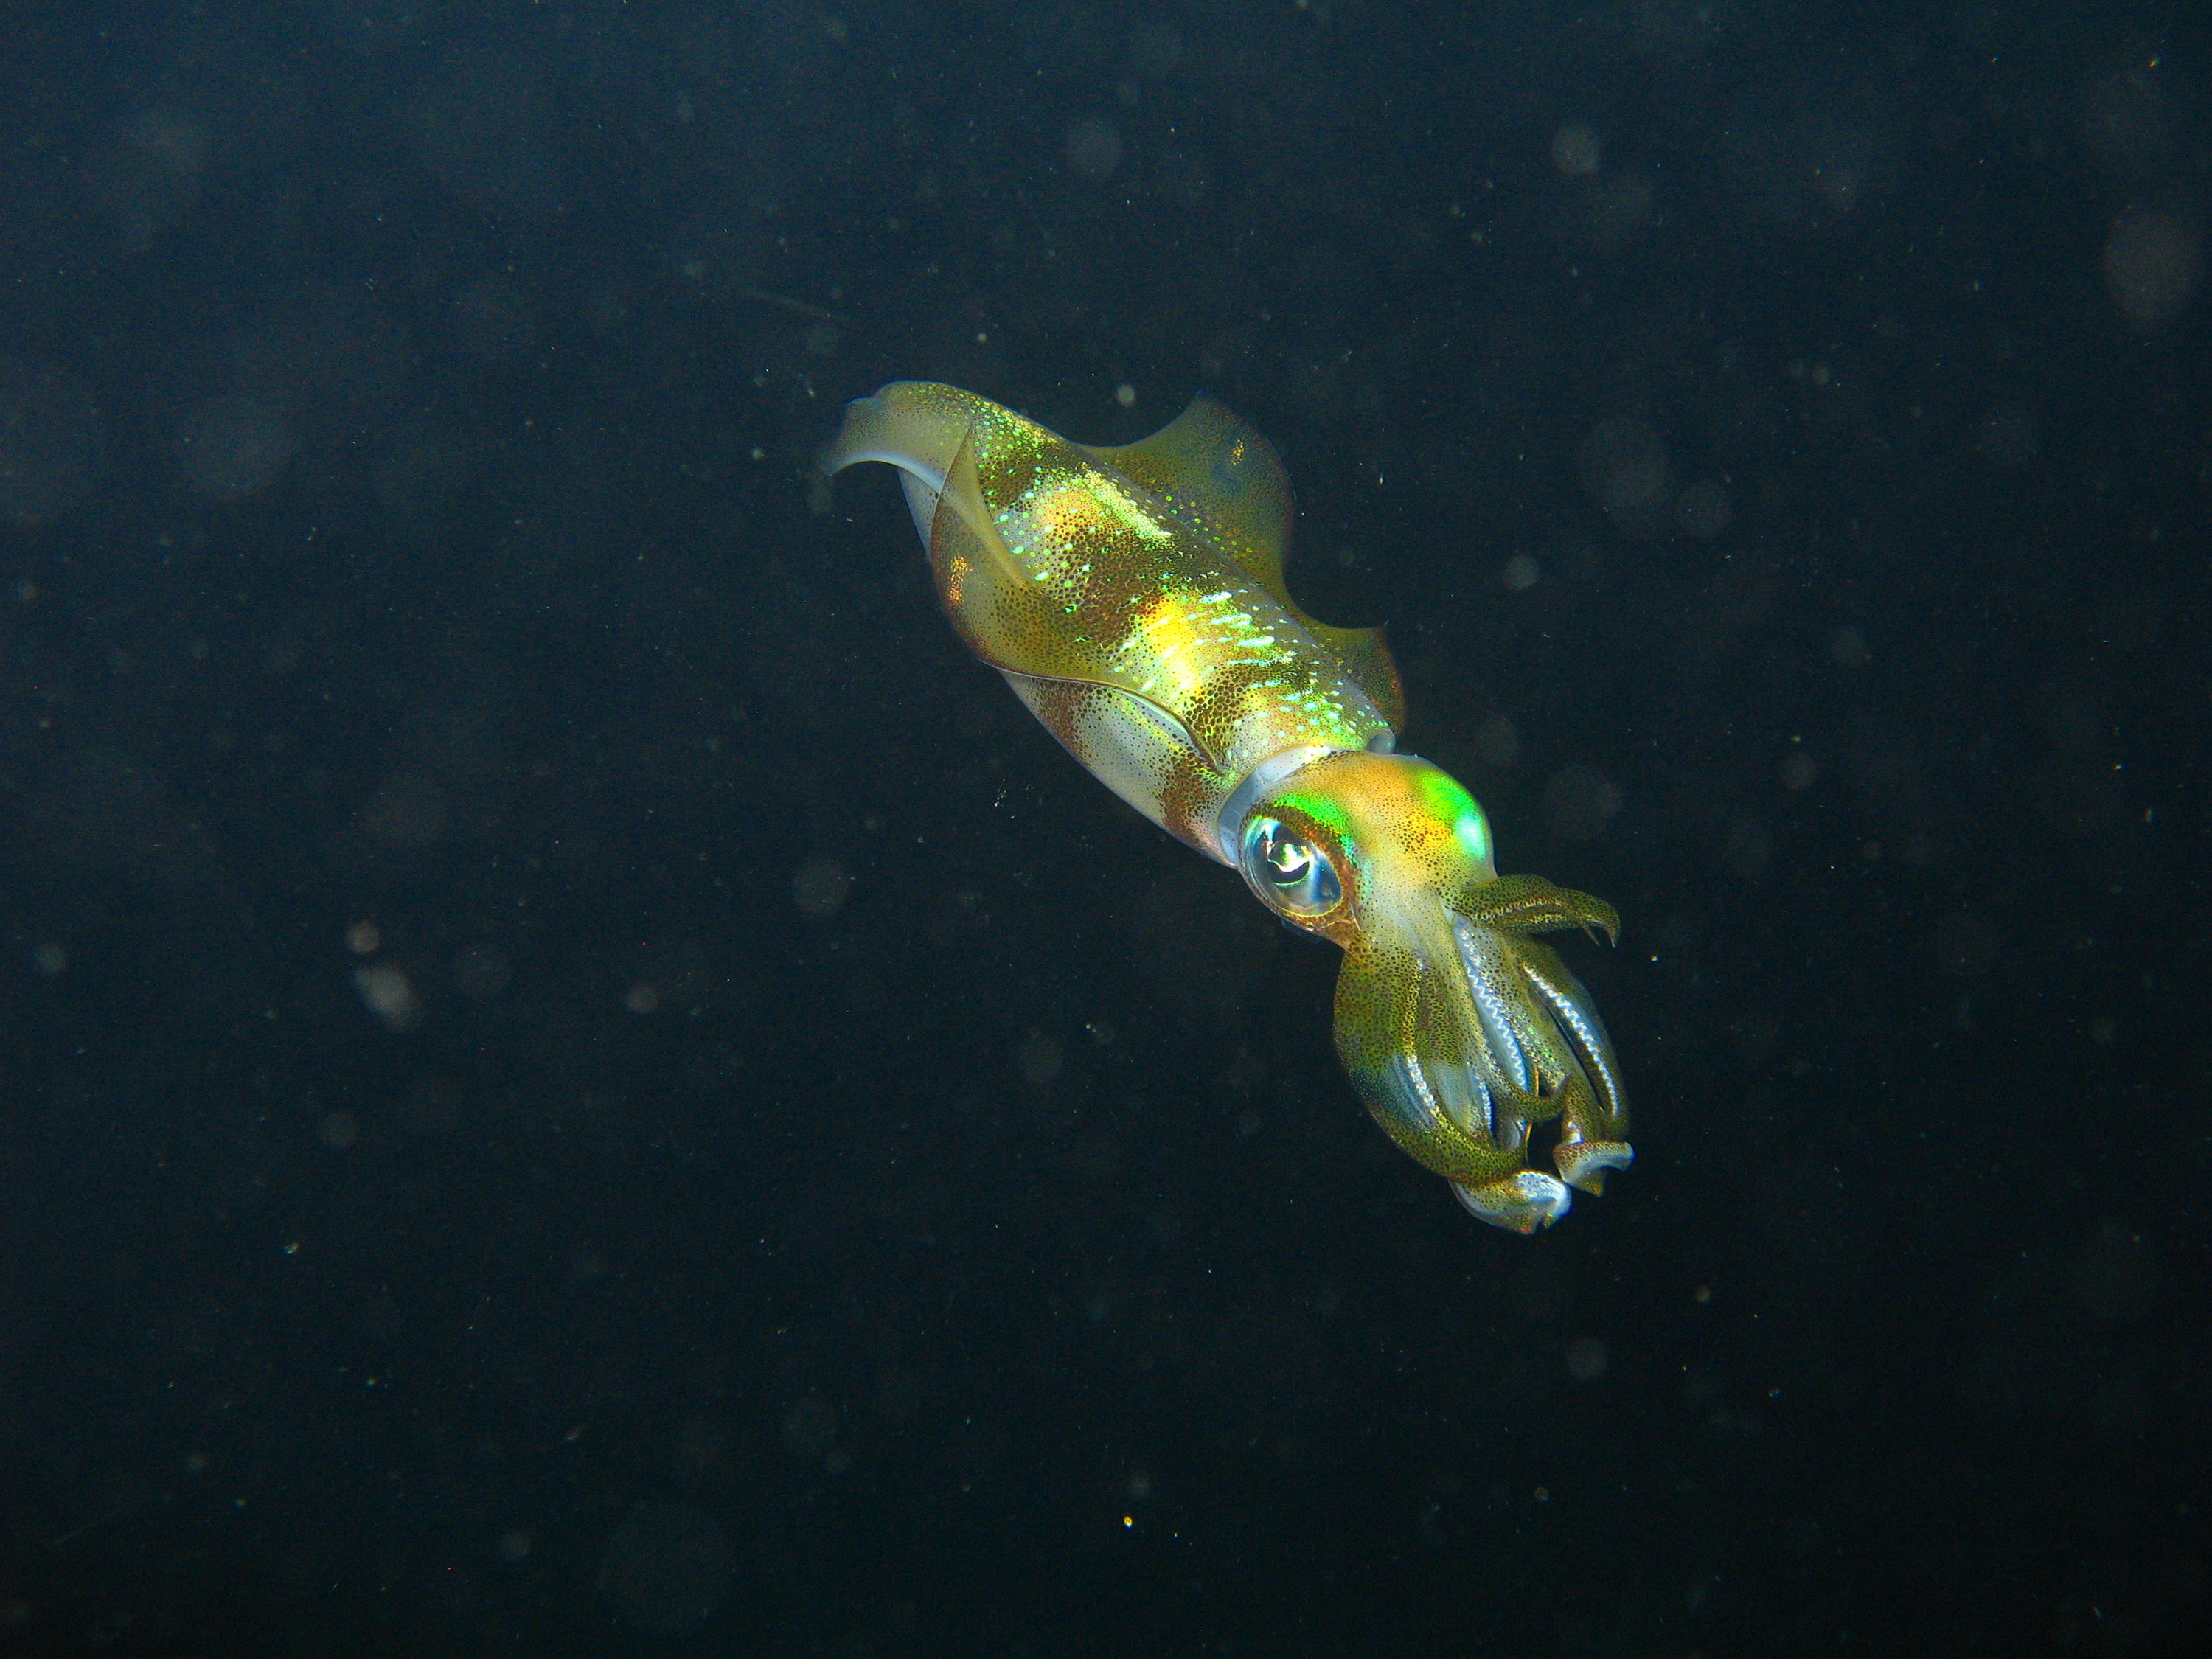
1462	1032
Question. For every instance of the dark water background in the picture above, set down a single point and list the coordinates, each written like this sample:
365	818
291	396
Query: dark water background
573	1078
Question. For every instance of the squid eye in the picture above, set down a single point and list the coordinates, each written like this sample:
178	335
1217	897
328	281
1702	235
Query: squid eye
1290	872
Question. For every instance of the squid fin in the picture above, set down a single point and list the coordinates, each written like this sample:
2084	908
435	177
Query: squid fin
1223	480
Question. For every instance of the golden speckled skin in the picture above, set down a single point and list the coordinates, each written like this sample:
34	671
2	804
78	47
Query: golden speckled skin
1133	598
1124	614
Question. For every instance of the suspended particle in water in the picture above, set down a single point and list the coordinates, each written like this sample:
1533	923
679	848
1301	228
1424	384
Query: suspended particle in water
1587	1359
1623	465
1703	510
229	448
1040	1060
1578	802
1498	741
1577	150
1094	146
388	994
2153	261
820	887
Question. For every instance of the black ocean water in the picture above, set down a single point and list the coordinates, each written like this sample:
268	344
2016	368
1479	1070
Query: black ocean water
576	1078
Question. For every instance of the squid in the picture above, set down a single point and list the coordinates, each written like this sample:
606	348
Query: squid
1134	599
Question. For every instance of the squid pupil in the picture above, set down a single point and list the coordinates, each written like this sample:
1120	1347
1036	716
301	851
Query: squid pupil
1302	880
